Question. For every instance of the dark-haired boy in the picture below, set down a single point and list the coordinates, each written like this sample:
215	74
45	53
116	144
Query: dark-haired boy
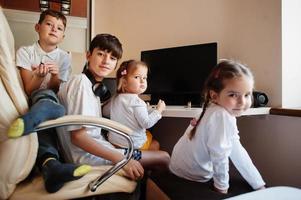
86	144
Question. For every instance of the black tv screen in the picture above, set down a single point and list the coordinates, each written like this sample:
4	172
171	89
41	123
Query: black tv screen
177	74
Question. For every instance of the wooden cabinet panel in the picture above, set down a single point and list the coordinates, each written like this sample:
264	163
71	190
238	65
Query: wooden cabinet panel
78	7
29	5
1	3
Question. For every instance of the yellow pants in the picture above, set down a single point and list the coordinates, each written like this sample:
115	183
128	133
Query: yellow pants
148	142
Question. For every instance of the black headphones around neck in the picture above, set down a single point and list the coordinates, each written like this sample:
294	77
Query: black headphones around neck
98	87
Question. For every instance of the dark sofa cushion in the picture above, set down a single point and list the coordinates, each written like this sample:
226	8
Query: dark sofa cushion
178	188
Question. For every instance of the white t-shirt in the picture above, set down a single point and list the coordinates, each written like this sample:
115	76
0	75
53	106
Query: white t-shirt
78	98
131	111
207	154
31	56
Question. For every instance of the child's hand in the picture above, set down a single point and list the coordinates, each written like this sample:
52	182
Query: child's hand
161	106
41	70
134	170
193	122
53	68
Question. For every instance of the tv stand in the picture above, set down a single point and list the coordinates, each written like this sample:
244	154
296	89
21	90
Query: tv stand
185	112
189	100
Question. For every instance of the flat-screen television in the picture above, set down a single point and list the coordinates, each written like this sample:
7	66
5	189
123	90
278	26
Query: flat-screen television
177	75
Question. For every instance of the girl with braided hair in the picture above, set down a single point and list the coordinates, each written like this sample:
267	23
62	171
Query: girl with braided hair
202	153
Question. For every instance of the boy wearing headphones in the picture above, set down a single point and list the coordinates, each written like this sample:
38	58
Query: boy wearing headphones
80	95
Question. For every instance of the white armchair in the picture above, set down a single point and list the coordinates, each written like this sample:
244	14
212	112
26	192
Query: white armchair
17	156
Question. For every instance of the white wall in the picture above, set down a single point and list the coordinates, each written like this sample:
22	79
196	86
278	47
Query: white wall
254	37
22	25
248	30
291	53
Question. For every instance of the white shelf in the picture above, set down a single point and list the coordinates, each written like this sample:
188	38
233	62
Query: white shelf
181	111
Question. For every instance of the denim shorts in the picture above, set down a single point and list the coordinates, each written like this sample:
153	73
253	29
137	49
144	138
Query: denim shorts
43	94
136	154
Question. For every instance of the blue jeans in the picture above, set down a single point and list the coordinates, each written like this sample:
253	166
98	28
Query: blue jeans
45	106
